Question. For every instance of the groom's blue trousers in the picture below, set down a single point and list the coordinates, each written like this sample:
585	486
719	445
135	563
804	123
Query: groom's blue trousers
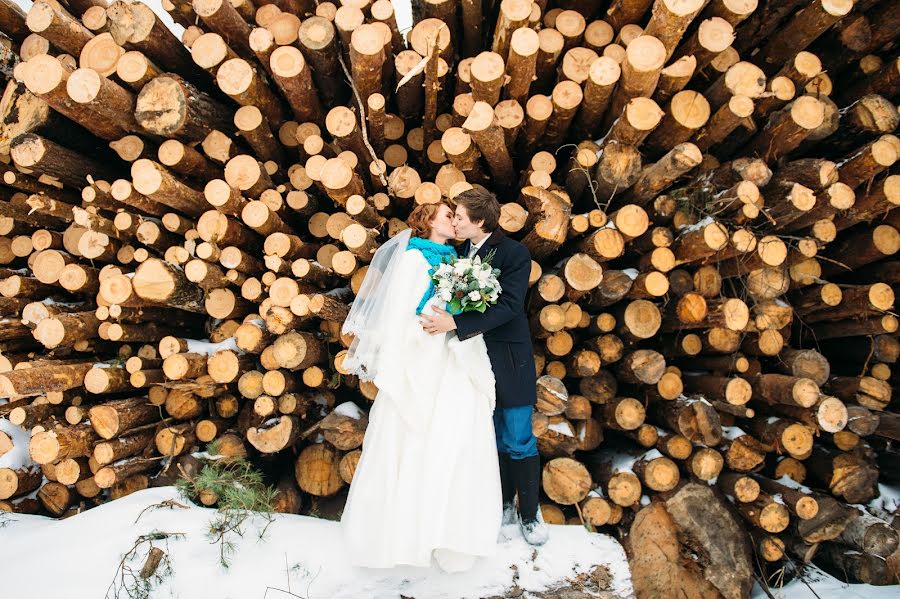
513	429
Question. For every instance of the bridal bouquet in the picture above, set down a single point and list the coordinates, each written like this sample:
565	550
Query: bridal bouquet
467	284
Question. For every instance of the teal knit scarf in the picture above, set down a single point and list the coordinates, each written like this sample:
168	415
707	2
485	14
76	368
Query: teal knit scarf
435	254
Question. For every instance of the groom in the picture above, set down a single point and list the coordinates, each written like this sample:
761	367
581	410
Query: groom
508	340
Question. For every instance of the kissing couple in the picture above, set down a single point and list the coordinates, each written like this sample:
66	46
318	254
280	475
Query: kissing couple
449	444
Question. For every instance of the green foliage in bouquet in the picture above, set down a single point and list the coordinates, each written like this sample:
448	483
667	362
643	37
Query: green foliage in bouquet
457	289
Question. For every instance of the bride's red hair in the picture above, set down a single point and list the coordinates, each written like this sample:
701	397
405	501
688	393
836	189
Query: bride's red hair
421	217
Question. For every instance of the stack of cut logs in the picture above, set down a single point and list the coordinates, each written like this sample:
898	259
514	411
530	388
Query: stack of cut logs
705	187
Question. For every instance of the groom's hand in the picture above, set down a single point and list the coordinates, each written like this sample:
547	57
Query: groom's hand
441	322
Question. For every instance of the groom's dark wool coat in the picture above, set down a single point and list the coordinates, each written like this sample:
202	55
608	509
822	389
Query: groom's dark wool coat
505	325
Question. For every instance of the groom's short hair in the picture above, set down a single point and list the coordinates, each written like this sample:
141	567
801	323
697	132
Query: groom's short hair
480	204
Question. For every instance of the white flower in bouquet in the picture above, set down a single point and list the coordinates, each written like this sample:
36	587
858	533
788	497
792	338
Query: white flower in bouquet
466	284
482	275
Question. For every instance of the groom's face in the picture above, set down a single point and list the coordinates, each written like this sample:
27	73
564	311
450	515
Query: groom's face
465	228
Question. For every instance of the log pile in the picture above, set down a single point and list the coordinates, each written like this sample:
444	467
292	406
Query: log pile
707	189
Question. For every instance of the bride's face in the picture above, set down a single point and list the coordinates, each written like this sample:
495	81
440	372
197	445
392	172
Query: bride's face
442	225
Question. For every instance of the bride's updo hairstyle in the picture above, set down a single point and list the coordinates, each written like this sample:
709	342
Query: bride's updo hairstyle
421	217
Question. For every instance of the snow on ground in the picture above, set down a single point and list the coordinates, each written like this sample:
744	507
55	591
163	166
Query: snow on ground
298	553
821	585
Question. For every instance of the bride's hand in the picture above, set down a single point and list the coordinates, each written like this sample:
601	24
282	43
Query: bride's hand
441	322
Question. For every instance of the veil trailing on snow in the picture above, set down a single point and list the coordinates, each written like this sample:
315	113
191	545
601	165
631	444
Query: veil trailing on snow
365	317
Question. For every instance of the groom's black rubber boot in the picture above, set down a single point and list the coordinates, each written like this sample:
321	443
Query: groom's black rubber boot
508	488
527	477
527	472
507	482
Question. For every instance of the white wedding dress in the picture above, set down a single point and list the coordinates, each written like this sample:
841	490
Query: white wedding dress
427	483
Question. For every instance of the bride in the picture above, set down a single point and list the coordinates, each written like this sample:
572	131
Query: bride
427	483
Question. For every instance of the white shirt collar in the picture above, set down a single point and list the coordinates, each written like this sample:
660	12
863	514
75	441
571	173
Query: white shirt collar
473	249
